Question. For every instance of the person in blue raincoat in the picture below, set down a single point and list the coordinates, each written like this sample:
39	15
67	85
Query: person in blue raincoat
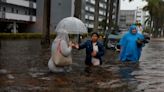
131	45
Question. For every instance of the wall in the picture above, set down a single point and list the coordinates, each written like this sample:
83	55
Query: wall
59	10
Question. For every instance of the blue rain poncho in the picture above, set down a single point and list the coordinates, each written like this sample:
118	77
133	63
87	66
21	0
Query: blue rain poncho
129	50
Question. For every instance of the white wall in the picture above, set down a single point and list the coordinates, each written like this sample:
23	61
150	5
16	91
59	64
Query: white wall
20	2
60	9
13	16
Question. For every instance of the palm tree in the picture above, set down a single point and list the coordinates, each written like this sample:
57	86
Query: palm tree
117	13
109	10
155	8
0	44
106	15
96	16
110	3
46	23
162	16
111	14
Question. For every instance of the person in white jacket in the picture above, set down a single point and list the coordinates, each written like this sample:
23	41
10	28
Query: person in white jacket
139	28
66	48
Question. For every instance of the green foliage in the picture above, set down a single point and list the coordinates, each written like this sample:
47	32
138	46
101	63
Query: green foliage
156	10
147	30
103	24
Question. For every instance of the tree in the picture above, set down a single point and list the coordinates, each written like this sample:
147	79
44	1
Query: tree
111	14
155	9
106	15
0	44
103	24
46	23
109	10
117	13
96	16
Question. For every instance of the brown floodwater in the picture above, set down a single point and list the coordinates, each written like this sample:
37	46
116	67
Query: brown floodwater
23	68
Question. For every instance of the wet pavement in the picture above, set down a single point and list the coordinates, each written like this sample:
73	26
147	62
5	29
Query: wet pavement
23	68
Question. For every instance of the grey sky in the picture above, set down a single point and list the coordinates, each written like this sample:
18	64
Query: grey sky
126	5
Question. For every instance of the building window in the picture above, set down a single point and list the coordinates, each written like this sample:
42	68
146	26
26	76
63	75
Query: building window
12	10
26	12
17	11
4	9
29	13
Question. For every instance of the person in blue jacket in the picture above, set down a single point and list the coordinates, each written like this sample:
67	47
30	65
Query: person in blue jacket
94	50
131	45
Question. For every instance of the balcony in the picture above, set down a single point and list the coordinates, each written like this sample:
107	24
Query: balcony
100	19
90	25
18	17
93	2
22	3
91	17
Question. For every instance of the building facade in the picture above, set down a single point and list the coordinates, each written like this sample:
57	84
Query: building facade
59	10
28	15
17	15
127	17
89	12
86	10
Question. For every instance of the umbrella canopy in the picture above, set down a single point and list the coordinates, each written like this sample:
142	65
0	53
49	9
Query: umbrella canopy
71	25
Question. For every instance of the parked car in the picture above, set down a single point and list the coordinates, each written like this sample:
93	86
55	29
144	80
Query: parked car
147	37
113	39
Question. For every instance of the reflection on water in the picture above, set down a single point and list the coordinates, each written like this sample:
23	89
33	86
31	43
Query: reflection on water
23	68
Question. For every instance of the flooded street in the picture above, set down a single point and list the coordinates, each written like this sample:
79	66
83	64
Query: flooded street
151	73
23	68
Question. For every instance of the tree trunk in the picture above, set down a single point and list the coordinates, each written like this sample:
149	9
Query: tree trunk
0	44
150	25
163	31
156	28
96	16
46	23
106	15
111	14
117	14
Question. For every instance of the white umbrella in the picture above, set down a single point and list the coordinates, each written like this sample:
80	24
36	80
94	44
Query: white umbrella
71	25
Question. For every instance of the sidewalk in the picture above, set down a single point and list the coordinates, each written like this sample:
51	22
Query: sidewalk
157	39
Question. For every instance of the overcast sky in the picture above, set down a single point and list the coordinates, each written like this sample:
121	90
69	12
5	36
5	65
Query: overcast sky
126	5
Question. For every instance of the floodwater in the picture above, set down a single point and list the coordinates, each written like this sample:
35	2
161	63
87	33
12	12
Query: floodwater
23	68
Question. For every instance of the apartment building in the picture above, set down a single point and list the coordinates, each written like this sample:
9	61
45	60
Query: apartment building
127	17
17	15
89	11
28	15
